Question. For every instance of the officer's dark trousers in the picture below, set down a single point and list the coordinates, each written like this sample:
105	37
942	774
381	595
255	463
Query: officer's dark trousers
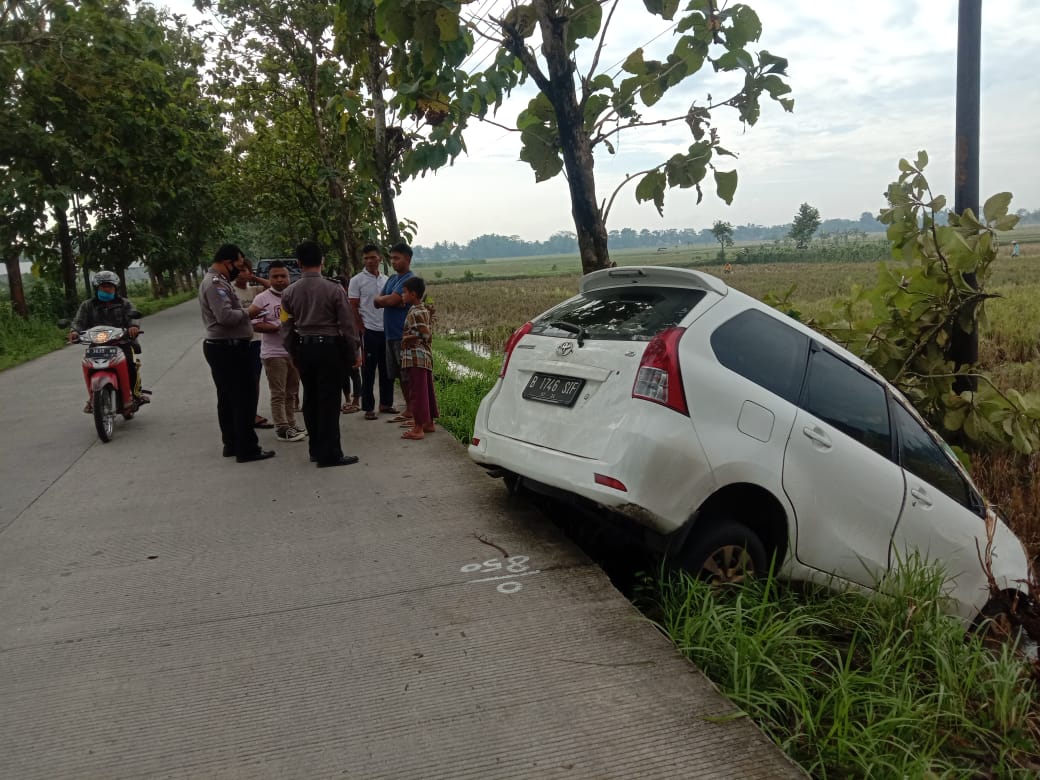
322	372
232	369
375	358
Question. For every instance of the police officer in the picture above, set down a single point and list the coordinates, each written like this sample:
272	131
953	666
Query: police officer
226	347
322	337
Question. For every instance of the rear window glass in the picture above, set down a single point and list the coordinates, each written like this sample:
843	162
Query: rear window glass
620	313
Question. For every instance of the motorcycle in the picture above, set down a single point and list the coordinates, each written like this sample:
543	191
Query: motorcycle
107	374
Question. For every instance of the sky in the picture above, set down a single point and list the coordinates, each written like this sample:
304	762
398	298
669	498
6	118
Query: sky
872	82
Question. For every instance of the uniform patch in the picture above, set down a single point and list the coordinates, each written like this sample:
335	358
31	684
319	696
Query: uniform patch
222	293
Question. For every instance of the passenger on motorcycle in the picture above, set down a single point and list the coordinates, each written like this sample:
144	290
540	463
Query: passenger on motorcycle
106	307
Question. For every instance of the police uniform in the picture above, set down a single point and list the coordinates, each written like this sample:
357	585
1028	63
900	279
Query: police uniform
322	338
226	347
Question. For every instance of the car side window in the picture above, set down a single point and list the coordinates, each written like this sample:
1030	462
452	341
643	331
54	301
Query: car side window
923	457
846	398
764	350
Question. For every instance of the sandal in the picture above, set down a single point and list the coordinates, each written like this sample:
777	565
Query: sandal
262	422
412	435
350	409
371	416
389	410
401	418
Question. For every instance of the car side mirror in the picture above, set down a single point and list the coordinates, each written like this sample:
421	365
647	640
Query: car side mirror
64	324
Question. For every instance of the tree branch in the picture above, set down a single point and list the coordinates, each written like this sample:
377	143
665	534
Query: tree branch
614	194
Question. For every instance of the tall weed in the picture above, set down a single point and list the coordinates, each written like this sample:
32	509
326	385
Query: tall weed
853	686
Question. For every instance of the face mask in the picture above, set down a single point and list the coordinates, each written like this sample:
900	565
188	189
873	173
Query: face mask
232	272
105	296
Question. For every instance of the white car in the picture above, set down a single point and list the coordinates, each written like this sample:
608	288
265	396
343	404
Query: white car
731	433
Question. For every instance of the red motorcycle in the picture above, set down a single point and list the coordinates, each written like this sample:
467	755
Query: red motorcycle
107	374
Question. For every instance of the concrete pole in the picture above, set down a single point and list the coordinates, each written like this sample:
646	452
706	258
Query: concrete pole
964	347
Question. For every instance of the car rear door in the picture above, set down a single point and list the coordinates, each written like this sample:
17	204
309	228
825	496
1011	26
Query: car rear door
840	471
568	385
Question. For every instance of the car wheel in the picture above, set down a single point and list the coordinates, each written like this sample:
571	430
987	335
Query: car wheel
726	553
1007	620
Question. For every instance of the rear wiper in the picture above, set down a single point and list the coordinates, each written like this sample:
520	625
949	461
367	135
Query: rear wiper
577	330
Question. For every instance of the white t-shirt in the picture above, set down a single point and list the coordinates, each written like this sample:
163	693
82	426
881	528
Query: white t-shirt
365	287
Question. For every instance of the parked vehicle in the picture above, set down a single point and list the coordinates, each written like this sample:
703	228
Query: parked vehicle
728	433
263	267
106	373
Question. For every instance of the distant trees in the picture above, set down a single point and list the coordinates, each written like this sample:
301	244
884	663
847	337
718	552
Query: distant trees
806	222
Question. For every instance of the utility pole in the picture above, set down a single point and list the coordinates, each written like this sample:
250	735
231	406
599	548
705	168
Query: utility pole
964	347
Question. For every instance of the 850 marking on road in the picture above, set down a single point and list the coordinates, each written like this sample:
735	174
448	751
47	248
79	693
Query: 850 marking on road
515	566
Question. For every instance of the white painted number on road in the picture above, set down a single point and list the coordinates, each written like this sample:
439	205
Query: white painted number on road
515	566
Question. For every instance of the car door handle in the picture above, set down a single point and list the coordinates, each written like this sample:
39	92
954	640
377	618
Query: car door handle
920	494
817	436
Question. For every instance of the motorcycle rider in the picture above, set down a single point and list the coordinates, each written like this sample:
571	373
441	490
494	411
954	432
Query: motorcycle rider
106	307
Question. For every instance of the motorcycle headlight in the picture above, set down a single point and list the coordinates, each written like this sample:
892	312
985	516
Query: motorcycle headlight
102	334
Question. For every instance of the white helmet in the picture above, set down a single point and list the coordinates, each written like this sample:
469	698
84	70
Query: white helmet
104	277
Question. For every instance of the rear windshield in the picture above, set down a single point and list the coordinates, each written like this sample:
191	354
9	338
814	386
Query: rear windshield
620	313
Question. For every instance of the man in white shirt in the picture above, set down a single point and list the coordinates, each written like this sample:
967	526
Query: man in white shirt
282	378
361	292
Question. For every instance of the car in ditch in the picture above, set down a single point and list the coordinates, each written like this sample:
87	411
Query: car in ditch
727	433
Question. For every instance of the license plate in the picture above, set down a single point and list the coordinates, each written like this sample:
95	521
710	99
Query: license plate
101	352
552	389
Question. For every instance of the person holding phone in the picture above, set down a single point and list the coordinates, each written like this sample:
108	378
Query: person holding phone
282	378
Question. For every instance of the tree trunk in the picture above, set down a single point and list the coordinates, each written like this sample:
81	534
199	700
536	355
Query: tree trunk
382	153
68	260
574	141
335	185
14	282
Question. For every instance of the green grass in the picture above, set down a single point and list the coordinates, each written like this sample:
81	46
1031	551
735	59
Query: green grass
459	393
856	687
24	340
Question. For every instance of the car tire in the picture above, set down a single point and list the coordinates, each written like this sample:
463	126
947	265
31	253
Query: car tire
726	553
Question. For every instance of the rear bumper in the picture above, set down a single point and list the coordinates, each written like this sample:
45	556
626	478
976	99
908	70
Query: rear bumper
657	458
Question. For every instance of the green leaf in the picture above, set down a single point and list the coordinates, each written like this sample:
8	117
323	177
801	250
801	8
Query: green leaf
585	20
651	187
996	206
635	64
922	160
663	8
539	150
726	185
746	27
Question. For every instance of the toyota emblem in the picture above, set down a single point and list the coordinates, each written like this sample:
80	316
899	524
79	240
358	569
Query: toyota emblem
564	349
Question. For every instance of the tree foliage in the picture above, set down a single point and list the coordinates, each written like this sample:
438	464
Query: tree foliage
106	143
806	223
578	111
723	233
903	325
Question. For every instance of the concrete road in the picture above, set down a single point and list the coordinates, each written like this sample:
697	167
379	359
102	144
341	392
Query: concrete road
166	612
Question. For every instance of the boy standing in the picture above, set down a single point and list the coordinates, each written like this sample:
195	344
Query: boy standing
282	378
417	360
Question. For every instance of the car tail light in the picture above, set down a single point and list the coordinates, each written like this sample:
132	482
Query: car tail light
476	441
518	334
659	378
